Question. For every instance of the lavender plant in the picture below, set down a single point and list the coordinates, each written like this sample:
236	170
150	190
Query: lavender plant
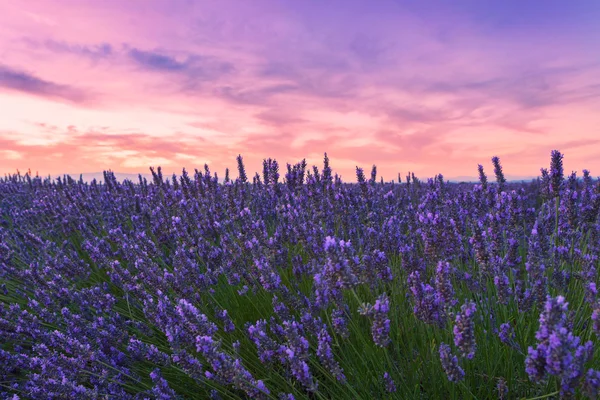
299	286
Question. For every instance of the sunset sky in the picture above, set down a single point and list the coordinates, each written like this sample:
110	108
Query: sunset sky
423	86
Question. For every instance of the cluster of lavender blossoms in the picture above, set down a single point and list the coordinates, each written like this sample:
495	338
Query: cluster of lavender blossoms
559	352
464	330
293	284
378	313
450	364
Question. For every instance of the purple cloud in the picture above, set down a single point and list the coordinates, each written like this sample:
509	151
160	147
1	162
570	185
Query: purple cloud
22	81
157	61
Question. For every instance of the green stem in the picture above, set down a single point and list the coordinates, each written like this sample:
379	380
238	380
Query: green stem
544	396
557	203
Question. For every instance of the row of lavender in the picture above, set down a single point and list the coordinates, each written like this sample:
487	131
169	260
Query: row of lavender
299	286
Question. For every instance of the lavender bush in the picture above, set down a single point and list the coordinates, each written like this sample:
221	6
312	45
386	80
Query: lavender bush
300	286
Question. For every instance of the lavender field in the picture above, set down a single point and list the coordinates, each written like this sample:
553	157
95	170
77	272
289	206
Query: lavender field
295	285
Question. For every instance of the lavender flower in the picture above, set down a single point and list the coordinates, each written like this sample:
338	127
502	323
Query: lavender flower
443	284
340	323
591	384
326	357
464	330
503	288
556	172
507	335
558	351
228	370
267	347
294	353
499	174
454	372
390	386
228	325
591	292
286	396
429	306
161	389
150	352
596	319
502	389
380	328
241	169
340	271
482	177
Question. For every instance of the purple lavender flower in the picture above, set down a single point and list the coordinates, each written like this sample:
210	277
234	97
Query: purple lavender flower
189	364
340	323
376	268
482	177
464	330
302	373
293	353
591	384
480	248
535	267
535	363
499	174
228	370
228	325
428	305
556	172
161	389
326	357
280	308
241	169
390	386
150	352
558	351
380	328
596	319
443	284
502	288
502	389
339	272
591	292
267	347
454	372
507	335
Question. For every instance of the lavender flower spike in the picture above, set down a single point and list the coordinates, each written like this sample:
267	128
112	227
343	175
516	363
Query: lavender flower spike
464	330
450	364
390	386
558	351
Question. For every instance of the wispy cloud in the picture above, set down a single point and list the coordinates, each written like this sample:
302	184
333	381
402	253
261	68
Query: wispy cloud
258	96
92	51
22	81
158	62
